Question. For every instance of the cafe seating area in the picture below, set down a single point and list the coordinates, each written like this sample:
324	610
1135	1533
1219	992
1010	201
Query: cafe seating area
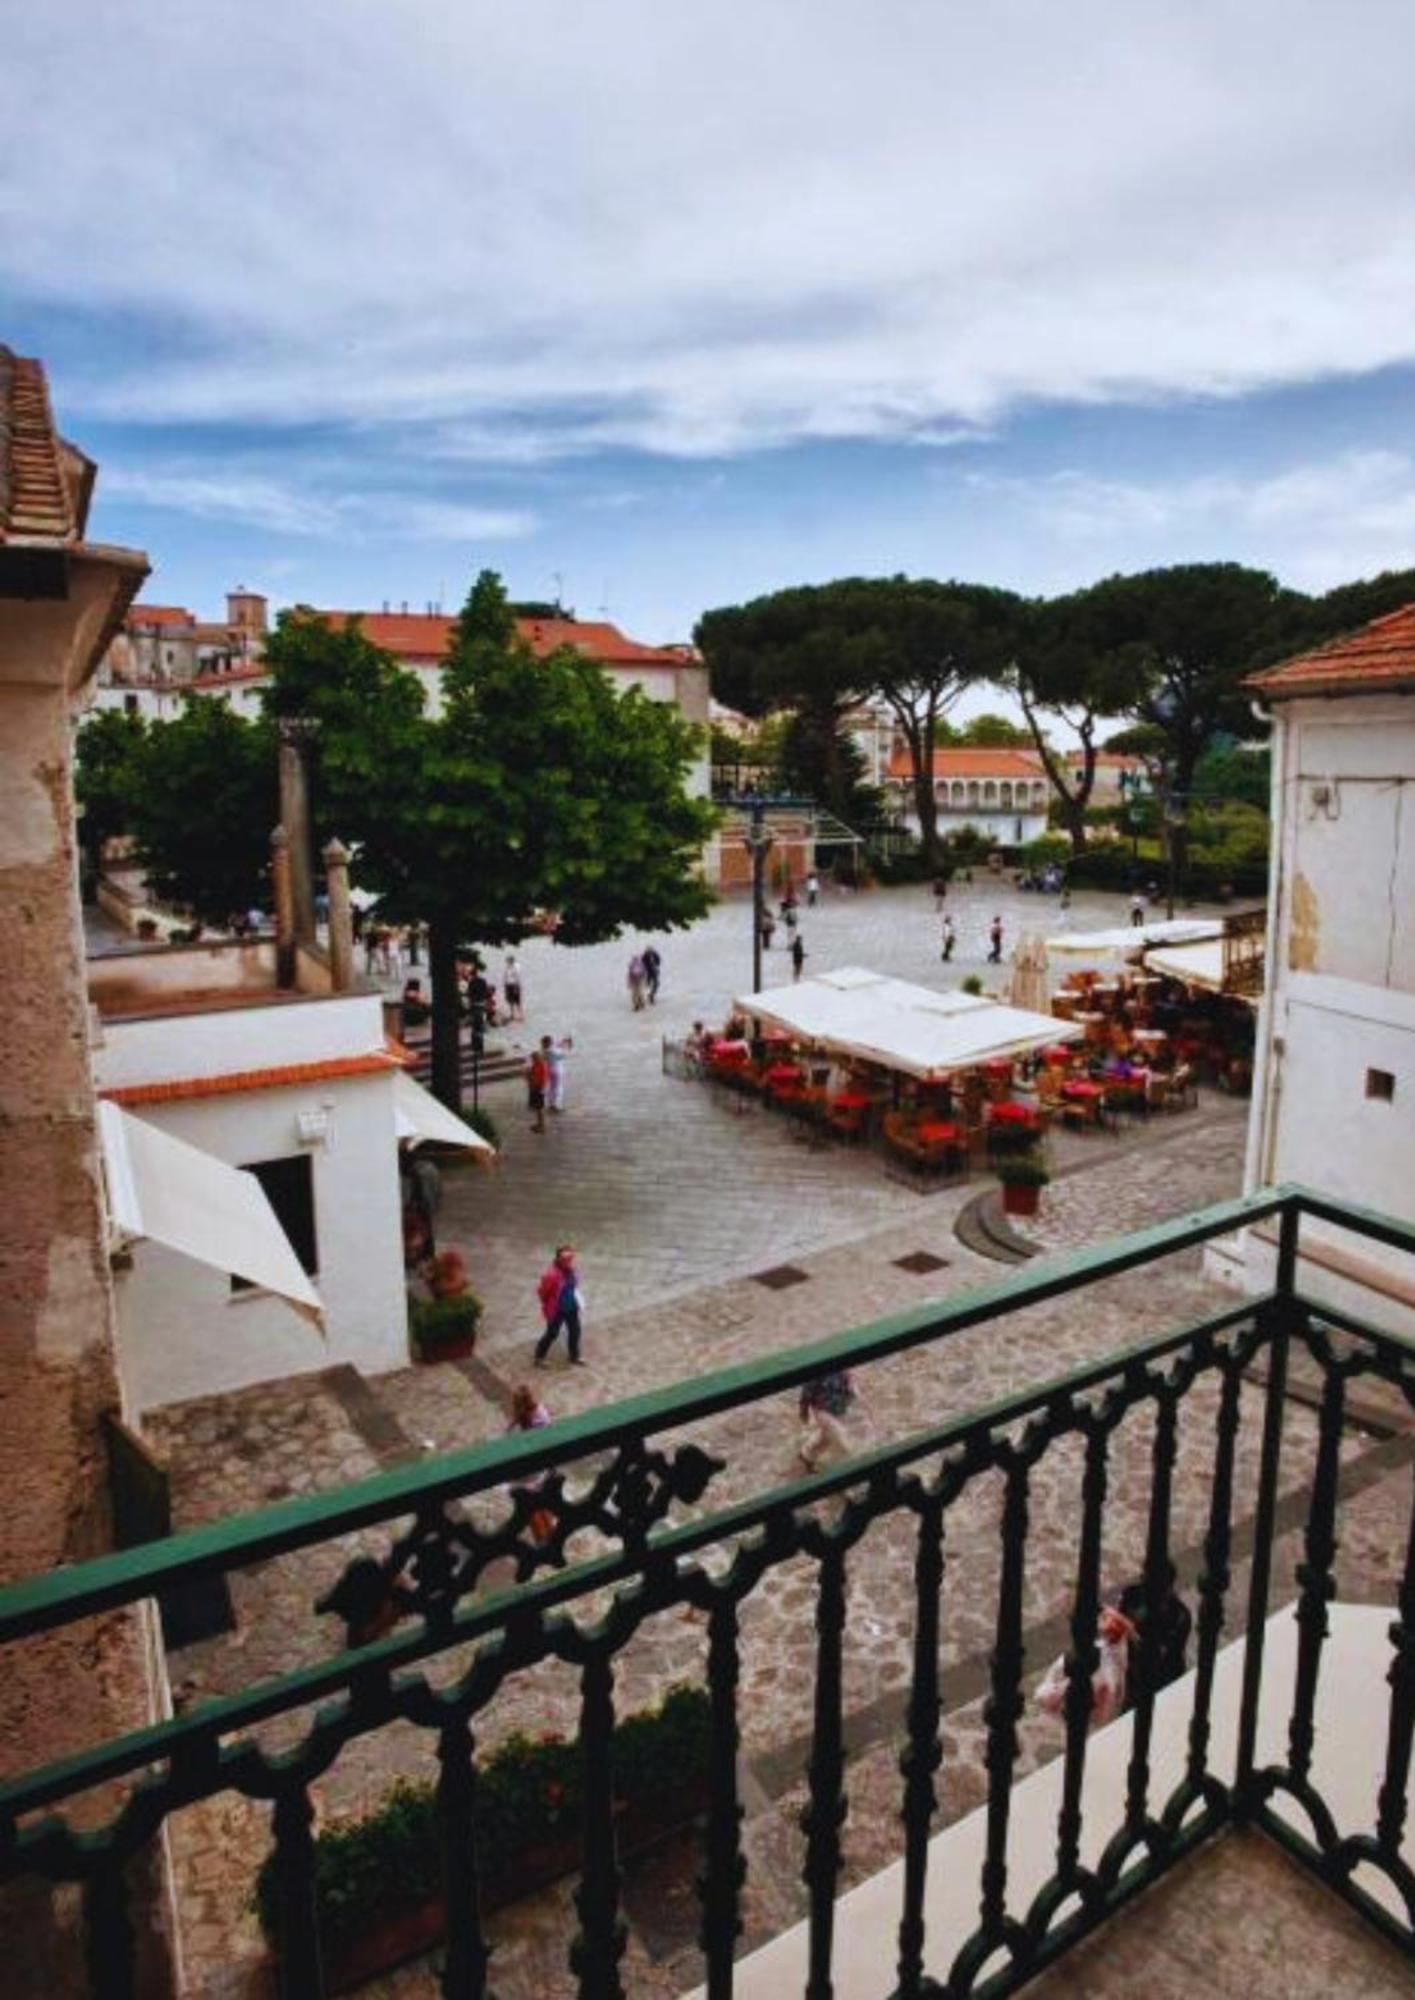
1149	1041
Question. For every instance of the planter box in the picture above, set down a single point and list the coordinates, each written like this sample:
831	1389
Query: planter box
393	1938
1020	1198
445	1350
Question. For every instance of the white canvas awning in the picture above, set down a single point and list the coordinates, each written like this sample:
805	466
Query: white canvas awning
422	1119
1134	937
1196	965
162	1188
904	1027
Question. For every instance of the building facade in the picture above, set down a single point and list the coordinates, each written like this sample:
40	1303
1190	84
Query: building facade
1003	794
164	653
1334	1070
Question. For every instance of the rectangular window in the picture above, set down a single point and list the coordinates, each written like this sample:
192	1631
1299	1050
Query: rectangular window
1380	1084
289	1188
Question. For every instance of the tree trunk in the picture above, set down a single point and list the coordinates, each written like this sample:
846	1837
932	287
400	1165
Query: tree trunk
926	805
446	1014
1073	804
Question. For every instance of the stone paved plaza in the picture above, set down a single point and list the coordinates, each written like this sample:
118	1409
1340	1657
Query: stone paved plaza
675	1201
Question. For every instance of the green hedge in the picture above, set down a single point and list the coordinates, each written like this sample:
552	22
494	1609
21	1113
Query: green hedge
529	1792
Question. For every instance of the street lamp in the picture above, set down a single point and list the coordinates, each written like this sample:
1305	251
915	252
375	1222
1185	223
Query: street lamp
758	843
1175	820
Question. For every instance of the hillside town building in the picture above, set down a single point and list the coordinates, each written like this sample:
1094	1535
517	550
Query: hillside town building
1003	793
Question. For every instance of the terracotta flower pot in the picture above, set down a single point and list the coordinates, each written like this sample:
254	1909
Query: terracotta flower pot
1020	1197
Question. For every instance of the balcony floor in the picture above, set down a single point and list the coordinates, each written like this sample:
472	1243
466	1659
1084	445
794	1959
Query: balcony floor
1240	1921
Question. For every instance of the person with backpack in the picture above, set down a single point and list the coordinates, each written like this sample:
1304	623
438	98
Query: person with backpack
562	1300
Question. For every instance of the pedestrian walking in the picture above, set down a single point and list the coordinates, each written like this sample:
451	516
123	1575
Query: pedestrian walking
562	1300
1137	909
653	973
823	1402
555	1053
788	911
995	934
511	988
940	892
768	929
528	1413
637	976
813	889
798	955
537	1080
949	939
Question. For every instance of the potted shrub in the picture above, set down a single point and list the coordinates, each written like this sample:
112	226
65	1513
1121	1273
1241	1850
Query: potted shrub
1023	1177
445	1328
378	1879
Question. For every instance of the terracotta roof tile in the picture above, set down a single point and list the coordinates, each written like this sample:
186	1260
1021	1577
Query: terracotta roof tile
276	1078
426	635
36	499
159	614
1378	655
964	762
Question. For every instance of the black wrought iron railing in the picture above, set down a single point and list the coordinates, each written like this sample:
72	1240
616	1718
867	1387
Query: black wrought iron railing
465	1572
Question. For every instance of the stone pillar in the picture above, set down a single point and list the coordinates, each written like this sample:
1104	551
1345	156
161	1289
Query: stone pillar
296	734
341	916
284	908
71	1688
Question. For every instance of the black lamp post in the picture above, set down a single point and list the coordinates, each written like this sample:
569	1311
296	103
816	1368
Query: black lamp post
758	843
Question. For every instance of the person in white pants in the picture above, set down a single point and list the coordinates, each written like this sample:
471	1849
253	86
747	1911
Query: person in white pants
555	1054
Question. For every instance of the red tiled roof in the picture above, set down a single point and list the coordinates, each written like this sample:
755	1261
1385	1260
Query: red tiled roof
965	762
159	614
426	635
1112	759
231	1081
36	498
1378	655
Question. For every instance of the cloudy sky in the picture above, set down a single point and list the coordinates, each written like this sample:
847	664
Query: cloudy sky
662	304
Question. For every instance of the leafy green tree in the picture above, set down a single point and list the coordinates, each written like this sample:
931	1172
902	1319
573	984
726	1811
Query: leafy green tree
782	653
201	805
1065	666
1188	636
820	649
539	795
988	732
107	751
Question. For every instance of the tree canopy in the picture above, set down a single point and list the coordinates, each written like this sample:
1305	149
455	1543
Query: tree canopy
821	648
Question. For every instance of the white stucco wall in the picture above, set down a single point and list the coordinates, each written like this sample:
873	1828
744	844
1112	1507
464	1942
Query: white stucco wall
182	1331
1341	985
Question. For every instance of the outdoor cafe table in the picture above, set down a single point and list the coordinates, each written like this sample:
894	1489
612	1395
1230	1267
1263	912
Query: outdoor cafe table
1059	1052
853	1100
939	1132
783	1074
1011	1113
1150	1038
1080	1092
732	1055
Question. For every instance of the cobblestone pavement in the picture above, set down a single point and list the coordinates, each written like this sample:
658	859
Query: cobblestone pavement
662	1185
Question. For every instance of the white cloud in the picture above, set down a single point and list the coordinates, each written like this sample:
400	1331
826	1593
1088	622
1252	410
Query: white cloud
700	230
1315	524
250	499
282	506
